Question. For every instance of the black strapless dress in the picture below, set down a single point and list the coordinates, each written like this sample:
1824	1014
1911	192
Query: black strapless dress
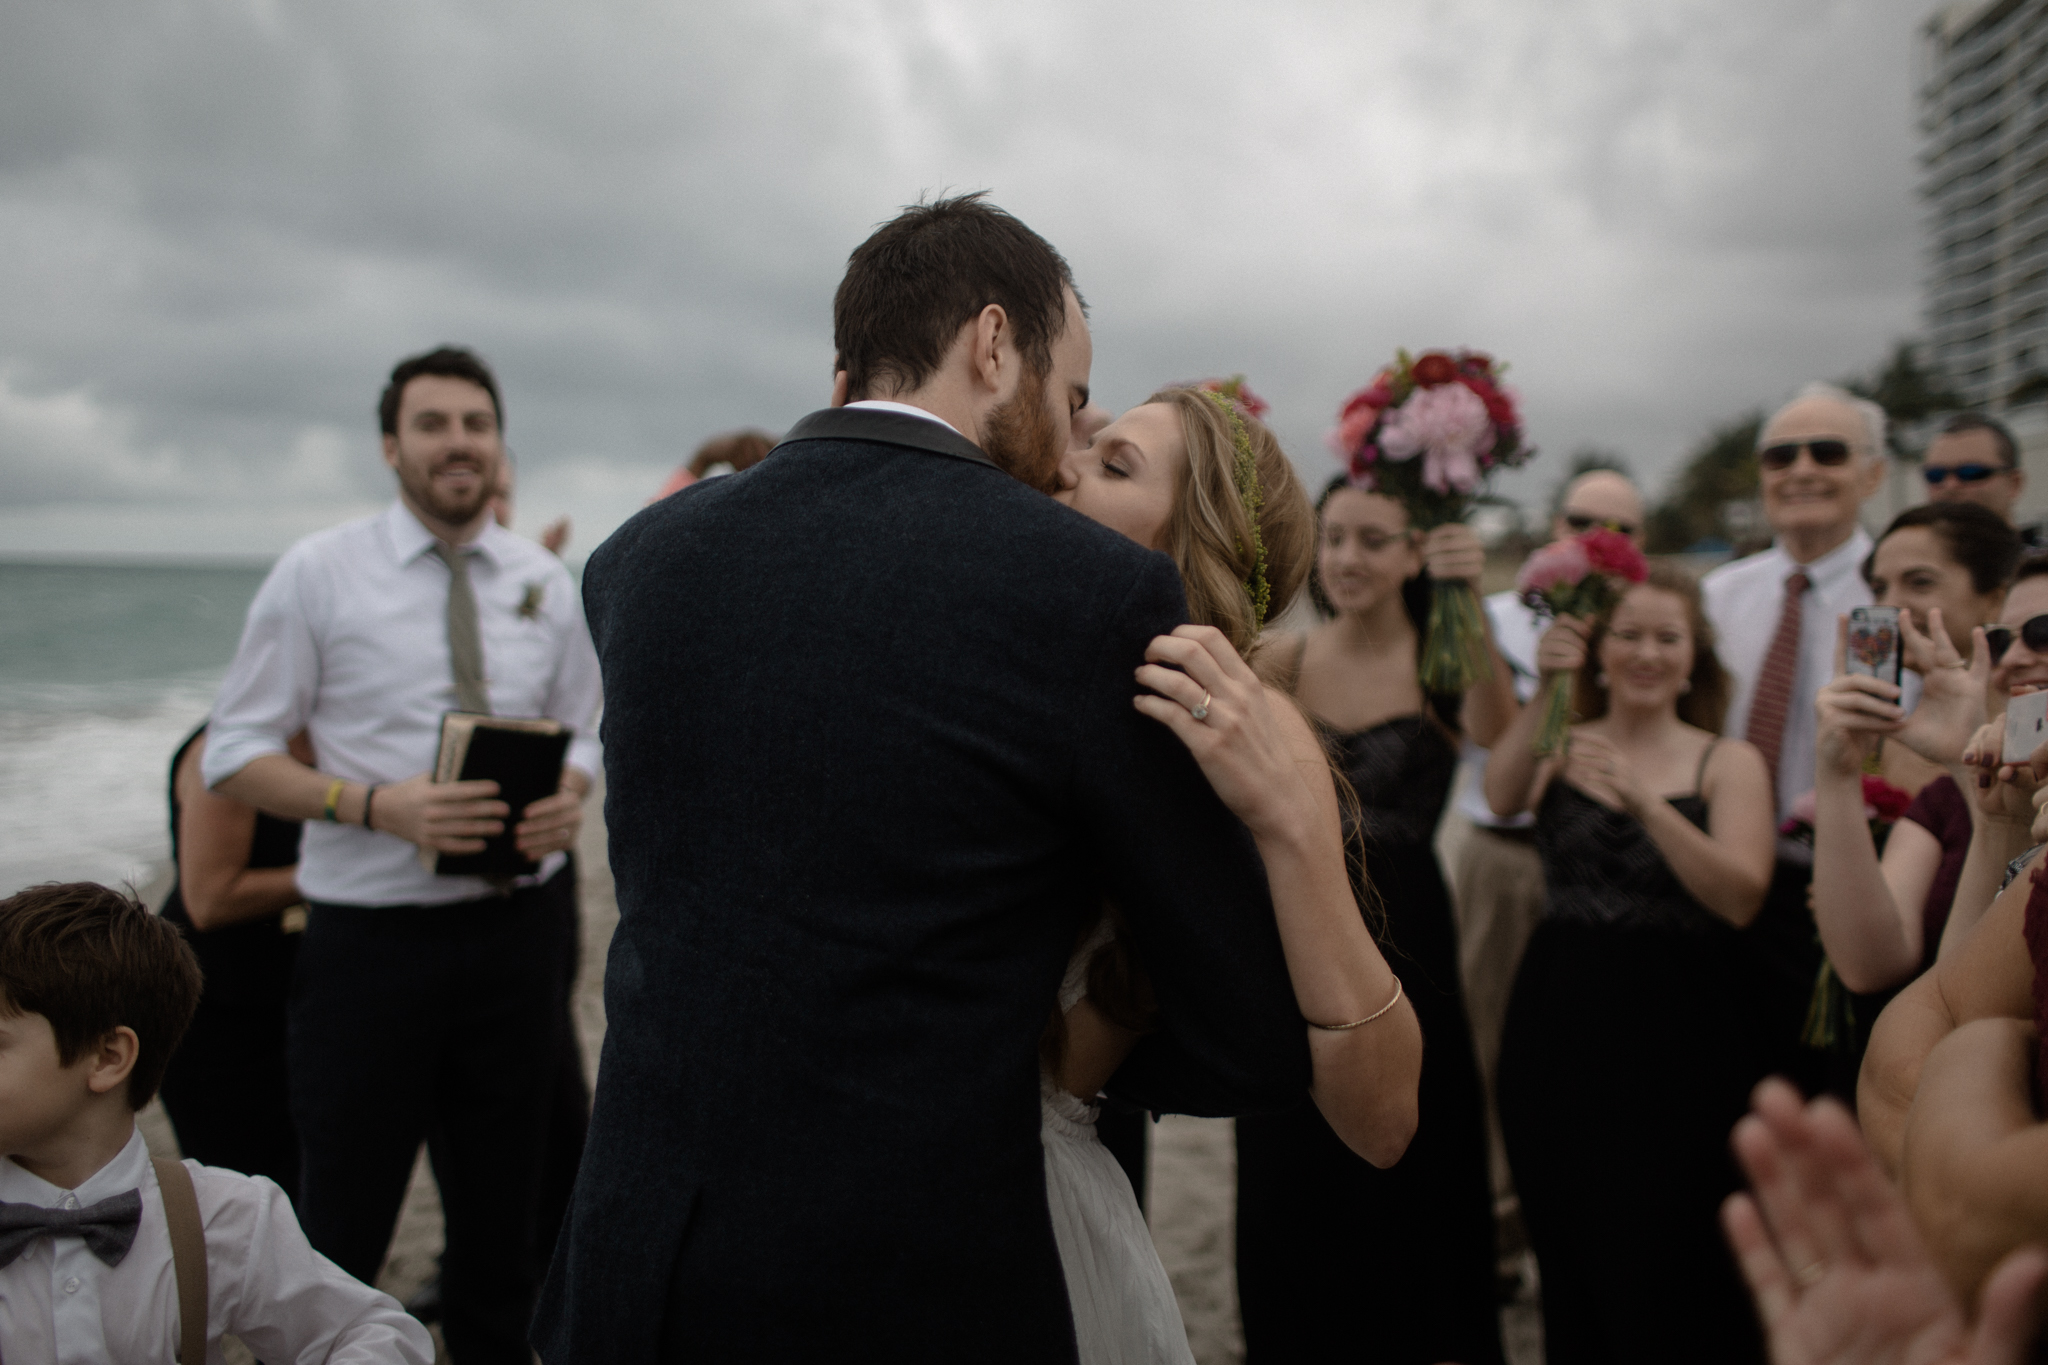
1339	1261
1628	1054
225	1086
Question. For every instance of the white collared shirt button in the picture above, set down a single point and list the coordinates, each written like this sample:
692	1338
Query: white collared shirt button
67	1200
71	1285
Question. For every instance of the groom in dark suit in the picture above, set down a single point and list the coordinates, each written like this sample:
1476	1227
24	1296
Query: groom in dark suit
871	755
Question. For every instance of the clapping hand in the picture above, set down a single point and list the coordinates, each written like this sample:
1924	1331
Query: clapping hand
1239	739
1837	1267
1596	767
1453	551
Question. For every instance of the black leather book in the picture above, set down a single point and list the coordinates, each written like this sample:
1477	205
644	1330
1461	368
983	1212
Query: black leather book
524	757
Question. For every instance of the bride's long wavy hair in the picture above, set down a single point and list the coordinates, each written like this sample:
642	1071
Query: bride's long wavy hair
1212	537
1215	541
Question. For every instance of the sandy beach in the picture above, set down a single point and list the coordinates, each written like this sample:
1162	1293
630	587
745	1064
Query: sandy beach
1191	1183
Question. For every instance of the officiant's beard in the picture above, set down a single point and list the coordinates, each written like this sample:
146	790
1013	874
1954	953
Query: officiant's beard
1021	438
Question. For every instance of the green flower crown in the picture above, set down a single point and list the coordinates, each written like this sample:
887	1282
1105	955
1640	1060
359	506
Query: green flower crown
1245	474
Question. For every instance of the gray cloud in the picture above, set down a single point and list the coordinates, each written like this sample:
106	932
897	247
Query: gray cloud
220	222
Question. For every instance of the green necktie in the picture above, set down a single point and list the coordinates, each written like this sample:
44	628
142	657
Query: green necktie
465	645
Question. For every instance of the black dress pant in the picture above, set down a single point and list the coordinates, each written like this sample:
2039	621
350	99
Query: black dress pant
442	1023
569	1095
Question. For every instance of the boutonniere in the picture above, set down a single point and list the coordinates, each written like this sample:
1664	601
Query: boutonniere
529	605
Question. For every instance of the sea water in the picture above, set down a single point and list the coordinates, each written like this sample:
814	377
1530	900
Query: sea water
104	669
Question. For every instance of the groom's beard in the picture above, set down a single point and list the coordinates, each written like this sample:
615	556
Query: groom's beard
1019	436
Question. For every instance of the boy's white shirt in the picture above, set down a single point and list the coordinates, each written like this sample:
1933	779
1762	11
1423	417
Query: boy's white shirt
62	1305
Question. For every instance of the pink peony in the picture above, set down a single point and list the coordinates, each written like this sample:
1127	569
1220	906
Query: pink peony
1560	562
1449	427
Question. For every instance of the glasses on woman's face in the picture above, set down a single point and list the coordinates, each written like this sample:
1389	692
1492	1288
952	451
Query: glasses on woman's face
1826	451
1580	523
2033	631
1936	475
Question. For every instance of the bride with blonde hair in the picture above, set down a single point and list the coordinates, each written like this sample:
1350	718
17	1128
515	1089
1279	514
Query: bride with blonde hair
1193	473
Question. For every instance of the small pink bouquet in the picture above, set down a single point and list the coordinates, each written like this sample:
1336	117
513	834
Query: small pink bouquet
1430	430
1580	576
1830	1011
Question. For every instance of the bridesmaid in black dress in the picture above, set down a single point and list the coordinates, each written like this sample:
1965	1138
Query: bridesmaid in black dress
1632	1041
1337	1260
225	1086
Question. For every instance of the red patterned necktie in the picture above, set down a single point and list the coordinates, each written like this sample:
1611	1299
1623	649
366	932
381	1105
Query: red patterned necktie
1774	684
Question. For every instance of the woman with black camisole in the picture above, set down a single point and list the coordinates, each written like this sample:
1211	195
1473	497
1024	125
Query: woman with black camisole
1338	1260
225	1086
1626	1059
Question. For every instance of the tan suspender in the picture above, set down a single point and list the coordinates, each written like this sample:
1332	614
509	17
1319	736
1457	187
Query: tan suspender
188	1256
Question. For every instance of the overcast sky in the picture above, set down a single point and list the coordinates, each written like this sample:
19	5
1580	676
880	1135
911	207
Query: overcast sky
221	221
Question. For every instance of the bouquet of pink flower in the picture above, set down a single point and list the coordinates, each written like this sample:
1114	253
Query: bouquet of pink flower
1430	430
1830	1010
1581	576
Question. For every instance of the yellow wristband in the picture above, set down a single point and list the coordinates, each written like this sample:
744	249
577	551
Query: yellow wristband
331	813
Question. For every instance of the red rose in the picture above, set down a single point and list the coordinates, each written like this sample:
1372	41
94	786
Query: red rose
1478	360
1499	406
1614	554
1887	801
1434	368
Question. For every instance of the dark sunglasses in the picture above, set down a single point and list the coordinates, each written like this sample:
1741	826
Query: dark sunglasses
1963	473
1781	455
1580	523
2034	630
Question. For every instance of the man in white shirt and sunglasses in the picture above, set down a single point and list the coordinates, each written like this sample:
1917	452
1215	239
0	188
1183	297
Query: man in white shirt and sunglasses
1820	457
1975	459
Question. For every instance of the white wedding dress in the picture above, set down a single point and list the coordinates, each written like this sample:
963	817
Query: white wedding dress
1124	1309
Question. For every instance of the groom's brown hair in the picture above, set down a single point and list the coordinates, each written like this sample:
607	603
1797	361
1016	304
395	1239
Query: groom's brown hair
927	273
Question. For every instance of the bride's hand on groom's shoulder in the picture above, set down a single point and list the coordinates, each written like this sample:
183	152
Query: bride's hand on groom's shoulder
1250	745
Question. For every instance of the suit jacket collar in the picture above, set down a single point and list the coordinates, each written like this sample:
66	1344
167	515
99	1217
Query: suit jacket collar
889	428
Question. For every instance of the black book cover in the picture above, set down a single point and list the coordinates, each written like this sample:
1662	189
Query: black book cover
526	766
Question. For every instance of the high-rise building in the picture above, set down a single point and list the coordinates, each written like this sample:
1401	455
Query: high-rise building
1984	115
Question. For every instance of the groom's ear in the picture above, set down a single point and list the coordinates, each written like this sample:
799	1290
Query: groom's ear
841	389
992	347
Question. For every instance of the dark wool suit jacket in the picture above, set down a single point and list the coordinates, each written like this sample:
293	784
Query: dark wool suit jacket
870	754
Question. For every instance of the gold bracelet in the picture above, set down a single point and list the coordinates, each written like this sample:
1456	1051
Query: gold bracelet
331	812
1339	1028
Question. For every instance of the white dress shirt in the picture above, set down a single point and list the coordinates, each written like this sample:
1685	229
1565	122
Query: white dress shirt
1516	629
1744	600
348	639
62	1305
884	405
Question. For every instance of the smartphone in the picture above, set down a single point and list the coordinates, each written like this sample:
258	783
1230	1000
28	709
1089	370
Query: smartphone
2026	725
1874	643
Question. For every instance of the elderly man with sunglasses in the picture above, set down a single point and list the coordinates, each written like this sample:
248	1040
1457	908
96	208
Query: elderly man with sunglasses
1975	459
1821	456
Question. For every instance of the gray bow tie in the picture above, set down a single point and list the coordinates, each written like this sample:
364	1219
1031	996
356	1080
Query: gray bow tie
108	1227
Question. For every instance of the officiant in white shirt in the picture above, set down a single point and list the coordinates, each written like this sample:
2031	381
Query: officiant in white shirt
424	1007
1820	456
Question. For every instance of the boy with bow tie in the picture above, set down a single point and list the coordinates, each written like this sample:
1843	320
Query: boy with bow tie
94	994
